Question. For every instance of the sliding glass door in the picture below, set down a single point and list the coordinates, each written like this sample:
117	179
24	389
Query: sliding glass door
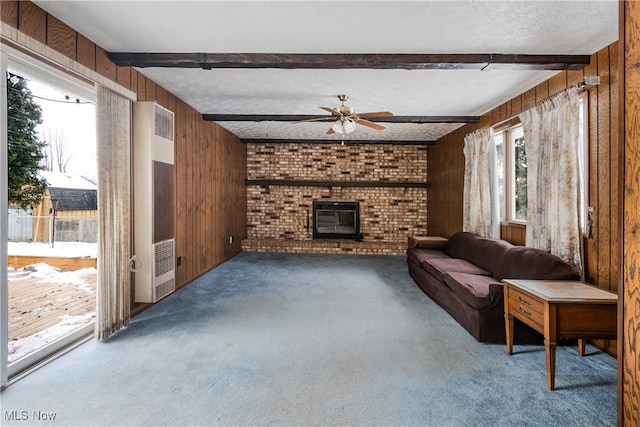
49	212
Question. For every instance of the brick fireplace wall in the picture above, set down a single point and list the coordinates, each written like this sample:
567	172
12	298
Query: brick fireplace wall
281	213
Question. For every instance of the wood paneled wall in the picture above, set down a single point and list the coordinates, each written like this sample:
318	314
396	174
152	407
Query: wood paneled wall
513	232
603	256
210	161
629	315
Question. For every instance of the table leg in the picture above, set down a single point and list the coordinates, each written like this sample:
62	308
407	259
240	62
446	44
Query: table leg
581	346
550	334
508	320
550	348
508	326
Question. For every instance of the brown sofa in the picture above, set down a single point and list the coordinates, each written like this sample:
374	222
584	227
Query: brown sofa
464	277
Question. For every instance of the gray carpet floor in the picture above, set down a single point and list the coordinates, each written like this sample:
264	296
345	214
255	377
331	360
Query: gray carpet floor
310	340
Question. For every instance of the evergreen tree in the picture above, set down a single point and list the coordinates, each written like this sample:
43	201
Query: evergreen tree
26	188
521	178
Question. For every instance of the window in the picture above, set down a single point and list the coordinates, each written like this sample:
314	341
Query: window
512	168
519	176
498	138
512	173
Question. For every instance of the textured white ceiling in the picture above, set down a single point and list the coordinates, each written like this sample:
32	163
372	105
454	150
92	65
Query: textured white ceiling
517	27
317	131
404	92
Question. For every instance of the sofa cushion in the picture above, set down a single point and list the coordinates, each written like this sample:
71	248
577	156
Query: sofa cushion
438	267
521	262
421	255
484	252
479	292
460	244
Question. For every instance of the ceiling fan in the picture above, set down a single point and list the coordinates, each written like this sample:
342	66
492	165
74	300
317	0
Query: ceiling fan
344	118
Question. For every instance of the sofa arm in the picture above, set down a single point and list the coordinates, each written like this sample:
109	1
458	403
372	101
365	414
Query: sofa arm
427	242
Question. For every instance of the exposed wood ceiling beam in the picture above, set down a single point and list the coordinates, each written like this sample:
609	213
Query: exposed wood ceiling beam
297	117
334	141
480	61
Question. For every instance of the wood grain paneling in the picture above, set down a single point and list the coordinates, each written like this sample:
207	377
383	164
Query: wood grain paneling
9	13
141	88
61	37
603	178
161	95
32	21
616	165
574	77
86	52
181	190
445	166
629	365
528	99
104	66
150	90
558	83
542	91
123	76
516	105
513	233
603	256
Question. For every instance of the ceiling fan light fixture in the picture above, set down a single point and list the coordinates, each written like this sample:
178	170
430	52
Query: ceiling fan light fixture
343	126
349	126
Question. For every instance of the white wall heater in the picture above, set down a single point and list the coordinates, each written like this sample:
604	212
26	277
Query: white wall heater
153	201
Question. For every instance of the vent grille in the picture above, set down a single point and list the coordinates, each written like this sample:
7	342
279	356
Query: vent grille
163	257
164	289
164	123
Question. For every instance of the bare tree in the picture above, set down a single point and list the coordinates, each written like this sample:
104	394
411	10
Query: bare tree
58	154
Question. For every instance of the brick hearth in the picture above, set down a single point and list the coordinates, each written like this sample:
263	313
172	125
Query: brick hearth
325	247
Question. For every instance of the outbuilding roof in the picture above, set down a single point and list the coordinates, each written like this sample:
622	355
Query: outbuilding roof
71	192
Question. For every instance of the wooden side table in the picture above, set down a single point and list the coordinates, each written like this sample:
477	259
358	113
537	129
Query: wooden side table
427	242
559	309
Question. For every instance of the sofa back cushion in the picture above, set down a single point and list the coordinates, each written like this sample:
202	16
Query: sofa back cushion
481	251
440	266
520	262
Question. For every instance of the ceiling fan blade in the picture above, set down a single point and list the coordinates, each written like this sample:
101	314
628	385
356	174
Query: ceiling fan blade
317	119
331	131
369	124
330	110
376	114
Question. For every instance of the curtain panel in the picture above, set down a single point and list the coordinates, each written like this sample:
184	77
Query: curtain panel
113	123
552	143
481	213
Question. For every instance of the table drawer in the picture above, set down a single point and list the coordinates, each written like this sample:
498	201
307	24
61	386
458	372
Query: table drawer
524	307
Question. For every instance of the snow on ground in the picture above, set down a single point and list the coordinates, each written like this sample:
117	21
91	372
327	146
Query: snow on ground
68	324
50	274
59	249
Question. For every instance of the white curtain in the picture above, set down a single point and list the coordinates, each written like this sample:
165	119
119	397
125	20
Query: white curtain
113	124
481	213
551	135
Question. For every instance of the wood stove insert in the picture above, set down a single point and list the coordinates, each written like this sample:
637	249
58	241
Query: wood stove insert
336	220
